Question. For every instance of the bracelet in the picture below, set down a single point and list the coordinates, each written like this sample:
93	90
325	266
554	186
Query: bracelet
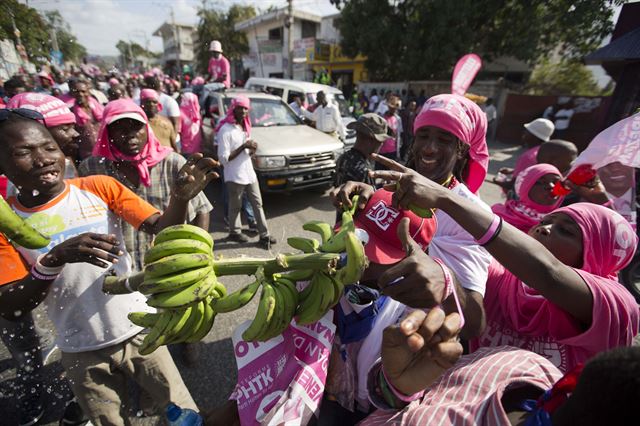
46	270
402	397
38	275
491	232
449	288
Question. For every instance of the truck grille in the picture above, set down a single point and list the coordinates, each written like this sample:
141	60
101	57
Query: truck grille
310	159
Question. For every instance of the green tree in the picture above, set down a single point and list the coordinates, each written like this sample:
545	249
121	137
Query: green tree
67	42
128	49
219	25
34	31
569	77
428	36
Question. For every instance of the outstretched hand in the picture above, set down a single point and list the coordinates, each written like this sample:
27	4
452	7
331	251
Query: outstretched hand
418	351
194	176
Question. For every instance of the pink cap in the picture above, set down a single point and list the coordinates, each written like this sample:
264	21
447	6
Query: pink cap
55	112
148	94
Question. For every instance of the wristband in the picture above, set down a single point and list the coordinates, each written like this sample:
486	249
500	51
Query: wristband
449	288
46	270
402	397
492	231
36	274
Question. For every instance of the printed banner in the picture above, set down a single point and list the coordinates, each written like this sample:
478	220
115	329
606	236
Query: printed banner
464	73
281	381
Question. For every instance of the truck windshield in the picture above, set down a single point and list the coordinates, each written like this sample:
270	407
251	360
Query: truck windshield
269	112
335	98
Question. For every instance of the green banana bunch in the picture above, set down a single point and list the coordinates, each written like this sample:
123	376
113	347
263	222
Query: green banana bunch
19	231
171	247
187	324
305	245
337	244
239	298
182	232
185	296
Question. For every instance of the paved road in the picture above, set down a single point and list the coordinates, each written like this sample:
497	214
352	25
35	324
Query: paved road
211	381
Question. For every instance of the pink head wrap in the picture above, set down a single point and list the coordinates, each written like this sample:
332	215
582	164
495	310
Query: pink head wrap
464	119
55	112
198	80
608	241
242	101
113	81
190	132
524	213
151	154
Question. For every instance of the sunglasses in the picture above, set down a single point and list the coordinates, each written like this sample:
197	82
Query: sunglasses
22	112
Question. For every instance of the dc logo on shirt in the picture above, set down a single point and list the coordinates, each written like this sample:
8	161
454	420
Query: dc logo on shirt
382	215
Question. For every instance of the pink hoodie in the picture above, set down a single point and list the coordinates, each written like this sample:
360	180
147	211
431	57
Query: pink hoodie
191	129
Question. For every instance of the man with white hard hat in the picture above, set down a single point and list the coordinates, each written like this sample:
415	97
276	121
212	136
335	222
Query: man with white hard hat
219	68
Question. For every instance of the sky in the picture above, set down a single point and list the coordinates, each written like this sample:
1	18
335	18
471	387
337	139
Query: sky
99	24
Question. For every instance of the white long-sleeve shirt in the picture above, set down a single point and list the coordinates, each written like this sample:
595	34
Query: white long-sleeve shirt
240	169
327	119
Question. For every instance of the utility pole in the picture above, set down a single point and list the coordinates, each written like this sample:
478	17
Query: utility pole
289	25
176	40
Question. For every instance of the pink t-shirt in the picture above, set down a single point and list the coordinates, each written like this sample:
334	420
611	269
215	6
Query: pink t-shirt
390	144
527	159
220	66
469	393
517	315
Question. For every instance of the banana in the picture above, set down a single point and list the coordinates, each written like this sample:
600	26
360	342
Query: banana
205	325
277	323
175	328
152	341
143	319
19	231
171	247
175	299
356	261
305	245
329	292
176	263
239	298
322	228
338	290
191	325
220	288
264	315
174	282
184	231
290	299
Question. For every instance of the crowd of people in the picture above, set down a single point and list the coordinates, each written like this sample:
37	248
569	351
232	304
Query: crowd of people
470	314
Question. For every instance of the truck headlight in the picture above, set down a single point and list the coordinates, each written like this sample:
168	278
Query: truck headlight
270	162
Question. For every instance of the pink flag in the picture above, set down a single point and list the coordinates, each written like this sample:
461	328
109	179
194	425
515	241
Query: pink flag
464	73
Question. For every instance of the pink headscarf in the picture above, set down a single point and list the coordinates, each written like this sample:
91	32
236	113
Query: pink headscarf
82	118
150	94
151	154
524	213
608	240
190	132
55	112
242	101
464	119
197	81
113	81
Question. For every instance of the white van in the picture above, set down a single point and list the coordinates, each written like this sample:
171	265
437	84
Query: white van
287	89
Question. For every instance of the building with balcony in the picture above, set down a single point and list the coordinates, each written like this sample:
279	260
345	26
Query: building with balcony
178	45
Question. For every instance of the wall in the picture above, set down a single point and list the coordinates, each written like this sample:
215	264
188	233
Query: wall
586	123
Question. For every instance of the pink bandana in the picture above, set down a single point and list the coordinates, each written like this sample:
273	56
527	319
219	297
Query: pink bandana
524	213
55	112
151	154
464	119
242	101
190	132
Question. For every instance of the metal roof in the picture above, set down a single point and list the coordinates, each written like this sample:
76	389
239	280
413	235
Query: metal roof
624	48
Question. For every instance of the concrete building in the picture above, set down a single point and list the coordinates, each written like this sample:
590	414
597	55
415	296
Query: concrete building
268	43
178	45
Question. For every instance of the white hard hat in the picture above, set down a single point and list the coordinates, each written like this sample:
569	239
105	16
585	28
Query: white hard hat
215	46
541	128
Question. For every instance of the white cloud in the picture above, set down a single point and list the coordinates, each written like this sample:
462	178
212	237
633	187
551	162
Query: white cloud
99	24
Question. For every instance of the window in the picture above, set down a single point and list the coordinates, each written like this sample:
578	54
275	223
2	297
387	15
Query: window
275	91
292	94
275	33
308	29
